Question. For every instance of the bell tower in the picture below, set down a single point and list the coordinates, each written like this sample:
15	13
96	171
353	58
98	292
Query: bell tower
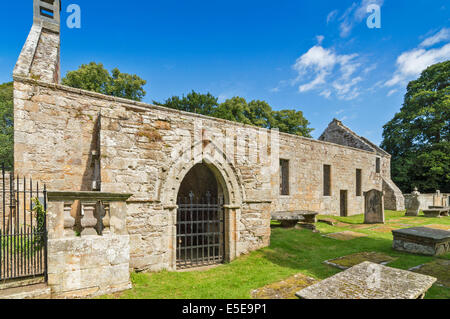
40	56
47	14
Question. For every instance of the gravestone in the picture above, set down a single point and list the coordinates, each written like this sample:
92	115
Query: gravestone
374	207
422	240
413	204
370	281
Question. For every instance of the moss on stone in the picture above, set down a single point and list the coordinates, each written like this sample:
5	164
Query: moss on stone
439	268
284	289
355	259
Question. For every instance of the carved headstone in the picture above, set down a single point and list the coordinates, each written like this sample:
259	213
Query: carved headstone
373	207
413	205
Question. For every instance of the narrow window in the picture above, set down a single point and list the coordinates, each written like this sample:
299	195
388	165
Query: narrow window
378	165
284	177
326	180
358	182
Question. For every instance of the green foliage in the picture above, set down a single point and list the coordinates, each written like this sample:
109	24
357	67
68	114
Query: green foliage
193	102
418	136
6	124
237	109
40	212
94	77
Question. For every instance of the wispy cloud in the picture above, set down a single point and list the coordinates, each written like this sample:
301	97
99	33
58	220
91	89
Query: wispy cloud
411	63
439	37
352	15
325	70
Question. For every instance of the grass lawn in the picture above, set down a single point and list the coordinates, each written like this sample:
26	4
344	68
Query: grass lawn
291	251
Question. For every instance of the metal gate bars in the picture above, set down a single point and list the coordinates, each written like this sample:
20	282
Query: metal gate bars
200	232
23	231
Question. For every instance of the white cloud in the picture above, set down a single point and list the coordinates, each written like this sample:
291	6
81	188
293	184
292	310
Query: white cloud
411	63
439	37
392	92
353	15
331	16
325	70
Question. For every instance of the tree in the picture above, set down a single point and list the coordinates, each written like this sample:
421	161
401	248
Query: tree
292	122
193	102
94	77
237	109
234	109
6	125
418	136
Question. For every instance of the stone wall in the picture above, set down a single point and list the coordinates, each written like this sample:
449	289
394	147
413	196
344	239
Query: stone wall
79	265
88	266
427	200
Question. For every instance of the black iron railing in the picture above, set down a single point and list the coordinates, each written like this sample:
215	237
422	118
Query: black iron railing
23	231
200	232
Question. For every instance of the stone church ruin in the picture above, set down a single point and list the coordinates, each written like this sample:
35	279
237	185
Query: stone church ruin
164	189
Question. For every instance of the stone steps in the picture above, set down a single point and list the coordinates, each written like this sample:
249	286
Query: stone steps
36	291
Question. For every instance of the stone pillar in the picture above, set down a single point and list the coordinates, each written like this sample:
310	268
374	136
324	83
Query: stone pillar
231	235
55	219
172	211
118	220
88	220
69	221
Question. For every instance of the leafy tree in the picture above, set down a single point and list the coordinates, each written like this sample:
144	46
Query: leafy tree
193	102
234	109
237	109
94	77
6	125
418	136
293	122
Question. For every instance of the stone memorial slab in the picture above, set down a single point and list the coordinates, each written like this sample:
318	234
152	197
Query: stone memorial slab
433	213
438	226
370	281
438	268
291	218
373	207
355	259
345	235
284	289
384	229
422	240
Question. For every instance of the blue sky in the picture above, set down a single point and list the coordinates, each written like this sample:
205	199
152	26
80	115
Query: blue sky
315	56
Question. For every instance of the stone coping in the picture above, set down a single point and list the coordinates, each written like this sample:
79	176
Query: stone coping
424	232
358	283
59	196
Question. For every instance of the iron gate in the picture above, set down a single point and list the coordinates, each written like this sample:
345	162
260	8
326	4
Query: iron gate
23	231
200	232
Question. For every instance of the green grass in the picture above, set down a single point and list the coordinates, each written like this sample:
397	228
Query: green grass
291	251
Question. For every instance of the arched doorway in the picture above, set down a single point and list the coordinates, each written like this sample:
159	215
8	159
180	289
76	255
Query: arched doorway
200	219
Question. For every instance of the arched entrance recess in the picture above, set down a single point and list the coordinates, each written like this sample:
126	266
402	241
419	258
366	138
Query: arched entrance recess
230	193
200	221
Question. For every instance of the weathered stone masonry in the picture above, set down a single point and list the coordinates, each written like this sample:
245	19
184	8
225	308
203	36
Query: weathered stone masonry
59	131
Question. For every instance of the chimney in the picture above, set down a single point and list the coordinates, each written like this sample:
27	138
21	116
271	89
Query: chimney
47	14
40	56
